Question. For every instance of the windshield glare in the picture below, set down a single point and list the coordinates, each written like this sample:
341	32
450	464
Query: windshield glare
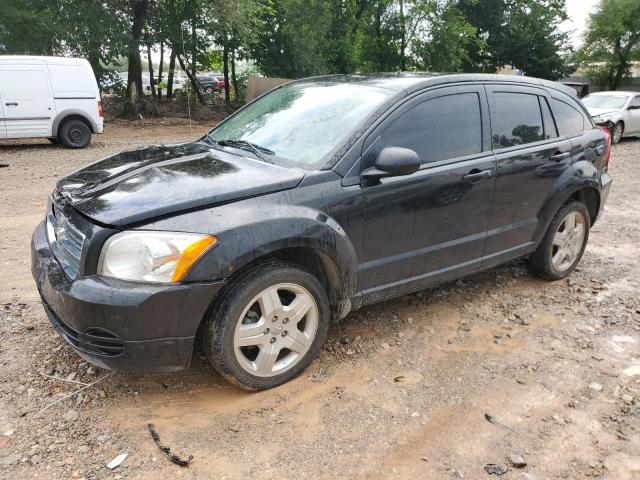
614	102
302	122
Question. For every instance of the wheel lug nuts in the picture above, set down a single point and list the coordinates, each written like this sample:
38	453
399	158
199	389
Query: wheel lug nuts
273	339
284	334
266	332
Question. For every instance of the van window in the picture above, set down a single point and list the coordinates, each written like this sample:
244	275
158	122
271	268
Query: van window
25	84
515	119
440	128
570	121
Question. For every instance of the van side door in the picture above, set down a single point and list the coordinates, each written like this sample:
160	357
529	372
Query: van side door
431	225
530	157
27	100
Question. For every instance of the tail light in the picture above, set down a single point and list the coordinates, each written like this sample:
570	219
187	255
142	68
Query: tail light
100	111
607	146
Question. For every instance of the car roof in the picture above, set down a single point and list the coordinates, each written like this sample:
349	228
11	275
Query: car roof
409	82
619	93
34	59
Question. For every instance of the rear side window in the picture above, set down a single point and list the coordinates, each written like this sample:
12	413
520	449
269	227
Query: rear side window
440	128
516	119
635	102
570	121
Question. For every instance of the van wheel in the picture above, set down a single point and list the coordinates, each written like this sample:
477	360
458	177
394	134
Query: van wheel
563	245
267	327
74	134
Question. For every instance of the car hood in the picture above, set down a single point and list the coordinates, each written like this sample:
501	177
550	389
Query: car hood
594	112
138	185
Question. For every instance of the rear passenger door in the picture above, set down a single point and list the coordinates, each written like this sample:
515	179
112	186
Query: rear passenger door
633	115
27	100
430	225
530	157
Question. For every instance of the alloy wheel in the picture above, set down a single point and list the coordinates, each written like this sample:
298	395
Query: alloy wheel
275	330
568	241
617	132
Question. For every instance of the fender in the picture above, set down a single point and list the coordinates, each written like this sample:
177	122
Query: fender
258	227
71	111
582	174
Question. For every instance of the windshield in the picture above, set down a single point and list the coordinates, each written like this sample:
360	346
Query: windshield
300	123
613	102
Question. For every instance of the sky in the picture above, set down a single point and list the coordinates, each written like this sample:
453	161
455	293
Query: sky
578	11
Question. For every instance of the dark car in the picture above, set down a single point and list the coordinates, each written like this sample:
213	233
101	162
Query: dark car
211	83
318	198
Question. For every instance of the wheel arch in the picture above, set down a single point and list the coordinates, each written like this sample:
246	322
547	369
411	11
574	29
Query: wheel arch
72	114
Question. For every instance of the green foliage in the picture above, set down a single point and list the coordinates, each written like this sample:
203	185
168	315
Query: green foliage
524	34
611	42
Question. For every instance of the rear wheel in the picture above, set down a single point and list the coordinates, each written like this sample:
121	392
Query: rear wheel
616	132
74	134
563	245
267	326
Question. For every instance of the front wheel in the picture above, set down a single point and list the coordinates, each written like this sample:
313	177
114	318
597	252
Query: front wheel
267	326
616	132
564	243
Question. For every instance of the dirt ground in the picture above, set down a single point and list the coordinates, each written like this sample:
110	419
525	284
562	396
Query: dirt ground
401	390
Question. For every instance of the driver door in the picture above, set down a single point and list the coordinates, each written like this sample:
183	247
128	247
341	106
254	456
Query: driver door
431	225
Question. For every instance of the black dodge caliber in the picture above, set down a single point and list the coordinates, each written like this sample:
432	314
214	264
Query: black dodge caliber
320	197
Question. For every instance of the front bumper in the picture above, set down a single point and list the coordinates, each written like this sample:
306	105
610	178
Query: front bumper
120	325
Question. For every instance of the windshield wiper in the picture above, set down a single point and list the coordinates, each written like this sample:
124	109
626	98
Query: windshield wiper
257	150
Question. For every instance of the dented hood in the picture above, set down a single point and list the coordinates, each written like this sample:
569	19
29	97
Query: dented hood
138	185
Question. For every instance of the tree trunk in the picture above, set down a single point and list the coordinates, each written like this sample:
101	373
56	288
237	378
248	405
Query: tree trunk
192	79
172	67
134	78
152	81
225	66
160	66
403	38
234	78
194	38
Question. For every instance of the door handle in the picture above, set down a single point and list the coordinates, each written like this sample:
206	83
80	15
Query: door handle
11	104
476	175
556	157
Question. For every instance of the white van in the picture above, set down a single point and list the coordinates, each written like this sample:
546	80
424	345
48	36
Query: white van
52	97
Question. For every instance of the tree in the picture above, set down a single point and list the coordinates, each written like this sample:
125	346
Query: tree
525	34
613	38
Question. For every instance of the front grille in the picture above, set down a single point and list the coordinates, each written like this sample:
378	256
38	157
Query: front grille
67	242
96	341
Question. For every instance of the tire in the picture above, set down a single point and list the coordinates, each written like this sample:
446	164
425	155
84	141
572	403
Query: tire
617	131
546	261
74	134
249	347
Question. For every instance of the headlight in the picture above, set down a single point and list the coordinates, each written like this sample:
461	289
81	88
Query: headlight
602	118
163	257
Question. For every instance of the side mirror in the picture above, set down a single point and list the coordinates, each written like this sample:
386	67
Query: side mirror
393	162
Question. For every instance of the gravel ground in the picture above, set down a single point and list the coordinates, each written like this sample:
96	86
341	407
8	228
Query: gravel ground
402	389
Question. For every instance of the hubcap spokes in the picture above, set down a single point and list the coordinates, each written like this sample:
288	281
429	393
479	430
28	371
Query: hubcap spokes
275	330
568	241
617	133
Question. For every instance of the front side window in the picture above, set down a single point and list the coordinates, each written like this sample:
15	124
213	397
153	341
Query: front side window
439	129
570	121
300	123
635	102
516	119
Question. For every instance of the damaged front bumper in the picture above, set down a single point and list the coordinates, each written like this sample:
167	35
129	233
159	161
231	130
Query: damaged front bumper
120	325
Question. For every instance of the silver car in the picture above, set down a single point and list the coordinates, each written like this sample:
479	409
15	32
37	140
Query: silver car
618	111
